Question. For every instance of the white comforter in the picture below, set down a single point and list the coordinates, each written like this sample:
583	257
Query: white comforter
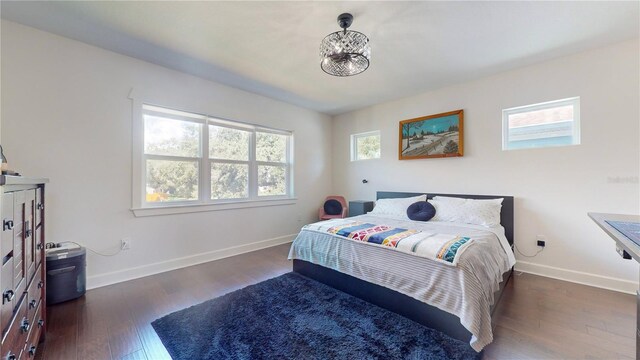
465	290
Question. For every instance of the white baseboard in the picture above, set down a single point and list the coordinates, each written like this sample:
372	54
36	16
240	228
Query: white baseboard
604	282
159	267
96	281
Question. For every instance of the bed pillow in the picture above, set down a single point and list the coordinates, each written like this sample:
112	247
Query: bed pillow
332	207
421	211
396	207
468	211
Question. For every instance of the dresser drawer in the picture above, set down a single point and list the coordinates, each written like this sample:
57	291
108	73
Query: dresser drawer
10	354
13	341
34	335
34	294
6	238
9	296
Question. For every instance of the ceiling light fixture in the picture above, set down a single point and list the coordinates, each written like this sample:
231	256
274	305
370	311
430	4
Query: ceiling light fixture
346	52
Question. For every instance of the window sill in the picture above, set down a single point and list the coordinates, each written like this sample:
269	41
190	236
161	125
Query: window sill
192	208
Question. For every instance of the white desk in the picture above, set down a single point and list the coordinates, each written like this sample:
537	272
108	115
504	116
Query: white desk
624	245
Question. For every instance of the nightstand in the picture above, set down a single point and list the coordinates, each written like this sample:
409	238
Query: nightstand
360	207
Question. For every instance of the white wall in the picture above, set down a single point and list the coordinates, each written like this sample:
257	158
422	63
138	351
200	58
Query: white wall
66	115
554	187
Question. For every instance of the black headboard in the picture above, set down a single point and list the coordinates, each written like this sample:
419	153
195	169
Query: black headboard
506	214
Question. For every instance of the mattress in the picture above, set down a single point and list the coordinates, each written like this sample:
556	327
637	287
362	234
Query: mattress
465	290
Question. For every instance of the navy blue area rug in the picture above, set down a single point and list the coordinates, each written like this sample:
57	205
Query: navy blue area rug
293	317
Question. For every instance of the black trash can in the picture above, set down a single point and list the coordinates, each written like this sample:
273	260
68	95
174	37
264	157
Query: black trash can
66	274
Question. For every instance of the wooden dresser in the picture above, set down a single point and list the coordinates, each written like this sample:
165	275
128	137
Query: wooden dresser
22	276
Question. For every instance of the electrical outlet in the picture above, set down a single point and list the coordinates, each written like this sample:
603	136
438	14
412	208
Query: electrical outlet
541	240
125	244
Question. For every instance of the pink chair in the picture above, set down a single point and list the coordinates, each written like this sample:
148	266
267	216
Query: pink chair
335	207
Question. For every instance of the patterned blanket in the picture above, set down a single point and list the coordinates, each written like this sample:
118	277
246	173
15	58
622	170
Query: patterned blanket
442	247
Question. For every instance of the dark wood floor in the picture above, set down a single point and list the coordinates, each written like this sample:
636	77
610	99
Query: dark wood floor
538	318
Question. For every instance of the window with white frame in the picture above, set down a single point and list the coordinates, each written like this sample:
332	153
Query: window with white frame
553	123
197	159
365	146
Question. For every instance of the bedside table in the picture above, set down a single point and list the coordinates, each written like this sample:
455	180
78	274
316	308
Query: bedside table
360	207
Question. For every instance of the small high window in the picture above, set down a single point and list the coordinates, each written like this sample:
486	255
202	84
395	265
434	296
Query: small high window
553	123
365	146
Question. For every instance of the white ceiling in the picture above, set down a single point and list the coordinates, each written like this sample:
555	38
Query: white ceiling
271	48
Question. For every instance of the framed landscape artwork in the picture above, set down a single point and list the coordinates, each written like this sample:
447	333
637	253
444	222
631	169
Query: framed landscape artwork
432	136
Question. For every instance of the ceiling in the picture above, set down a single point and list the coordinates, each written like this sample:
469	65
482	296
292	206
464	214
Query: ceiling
271	47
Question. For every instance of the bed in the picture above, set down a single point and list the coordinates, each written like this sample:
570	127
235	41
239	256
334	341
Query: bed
457	300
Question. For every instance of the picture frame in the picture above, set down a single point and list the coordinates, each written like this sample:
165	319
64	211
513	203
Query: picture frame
433	136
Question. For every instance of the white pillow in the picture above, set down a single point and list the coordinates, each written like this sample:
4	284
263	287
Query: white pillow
468	211
396	207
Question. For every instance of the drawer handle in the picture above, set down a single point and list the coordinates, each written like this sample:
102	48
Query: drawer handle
7	225
40	323
27	233
11	356
40	206
61	270
32	350
40	284
32	304
39	246
8	296
24	326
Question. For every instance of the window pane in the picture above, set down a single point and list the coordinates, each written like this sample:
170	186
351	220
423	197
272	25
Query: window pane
271	180
229	181
164	136
271	147
367	147
542	125
540	117
229	144
169	180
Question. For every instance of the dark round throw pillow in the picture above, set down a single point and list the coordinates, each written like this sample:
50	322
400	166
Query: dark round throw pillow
332	207
421	211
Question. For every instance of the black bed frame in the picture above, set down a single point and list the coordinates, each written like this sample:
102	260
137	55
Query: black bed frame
404	305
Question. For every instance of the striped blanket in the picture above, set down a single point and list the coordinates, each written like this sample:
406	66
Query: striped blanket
441	247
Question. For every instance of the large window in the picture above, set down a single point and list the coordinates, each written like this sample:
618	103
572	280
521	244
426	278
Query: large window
197	159
365	146
553	123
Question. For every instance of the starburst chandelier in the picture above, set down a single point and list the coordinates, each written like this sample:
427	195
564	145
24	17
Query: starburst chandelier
346	52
